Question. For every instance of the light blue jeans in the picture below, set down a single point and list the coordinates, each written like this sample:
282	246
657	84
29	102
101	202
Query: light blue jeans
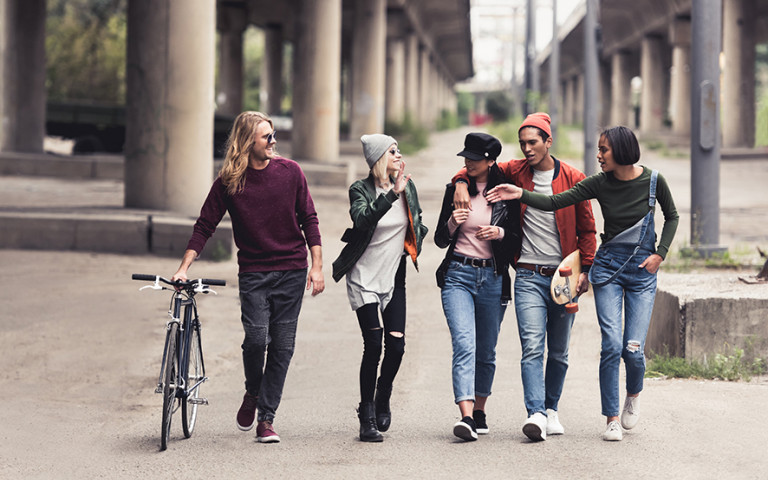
540	319
635	290
472	306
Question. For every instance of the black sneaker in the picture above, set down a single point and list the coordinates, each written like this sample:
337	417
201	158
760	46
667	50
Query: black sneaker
482	425
466	429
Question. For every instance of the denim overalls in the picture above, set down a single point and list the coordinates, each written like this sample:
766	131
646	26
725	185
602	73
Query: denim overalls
617	279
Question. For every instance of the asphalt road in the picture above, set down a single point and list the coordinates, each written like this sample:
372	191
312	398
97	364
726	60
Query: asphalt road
81	350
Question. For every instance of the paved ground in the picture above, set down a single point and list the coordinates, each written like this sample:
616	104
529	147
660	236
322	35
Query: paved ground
81	350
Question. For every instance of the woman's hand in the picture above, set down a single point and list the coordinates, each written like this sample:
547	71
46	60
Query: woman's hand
505	191
487	232
461	196
652	263
402	180
460	215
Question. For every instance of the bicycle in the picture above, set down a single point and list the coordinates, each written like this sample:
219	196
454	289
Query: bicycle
182	371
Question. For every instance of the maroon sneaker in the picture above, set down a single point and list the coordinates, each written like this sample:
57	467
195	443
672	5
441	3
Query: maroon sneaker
265	433
247	413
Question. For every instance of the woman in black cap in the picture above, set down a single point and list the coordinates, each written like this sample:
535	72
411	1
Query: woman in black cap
474	279
386	229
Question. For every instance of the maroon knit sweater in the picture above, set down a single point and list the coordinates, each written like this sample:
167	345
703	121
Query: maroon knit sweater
268	218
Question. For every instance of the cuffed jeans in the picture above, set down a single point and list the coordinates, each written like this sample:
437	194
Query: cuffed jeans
270	304
635	288
472	305
539	318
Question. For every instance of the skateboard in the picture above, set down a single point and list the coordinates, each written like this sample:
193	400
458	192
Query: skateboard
564	282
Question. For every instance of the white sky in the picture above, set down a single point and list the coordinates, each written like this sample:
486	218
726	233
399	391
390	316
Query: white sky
495	34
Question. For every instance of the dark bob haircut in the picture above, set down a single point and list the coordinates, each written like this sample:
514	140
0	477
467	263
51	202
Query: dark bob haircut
626	150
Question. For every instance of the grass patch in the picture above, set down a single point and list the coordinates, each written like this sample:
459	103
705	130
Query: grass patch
687	259
732	366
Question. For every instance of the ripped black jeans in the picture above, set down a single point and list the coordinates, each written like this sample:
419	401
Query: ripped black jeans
394	346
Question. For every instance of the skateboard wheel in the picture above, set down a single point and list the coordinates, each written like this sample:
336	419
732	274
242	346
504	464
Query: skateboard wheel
566	272
572	307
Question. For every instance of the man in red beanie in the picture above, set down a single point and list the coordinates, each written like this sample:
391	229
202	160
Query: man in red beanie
548	237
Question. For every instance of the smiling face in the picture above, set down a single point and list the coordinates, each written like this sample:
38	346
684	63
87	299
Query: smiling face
393	160
605	155
263	149
535	149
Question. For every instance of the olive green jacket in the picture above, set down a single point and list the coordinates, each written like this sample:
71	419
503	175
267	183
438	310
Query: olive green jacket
366	208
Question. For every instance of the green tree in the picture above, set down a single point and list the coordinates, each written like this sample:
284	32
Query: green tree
85	50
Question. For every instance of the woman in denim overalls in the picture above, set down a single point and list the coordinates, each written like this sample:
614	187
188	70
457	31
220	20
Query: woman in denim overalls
624	271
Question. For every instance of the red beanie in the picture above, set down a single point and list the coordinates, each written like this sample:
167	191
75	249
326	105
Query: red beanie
540	120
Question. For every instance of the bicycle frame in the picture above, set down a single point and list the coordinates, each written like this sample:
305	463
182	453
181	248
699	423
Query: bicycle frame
190	321
183	341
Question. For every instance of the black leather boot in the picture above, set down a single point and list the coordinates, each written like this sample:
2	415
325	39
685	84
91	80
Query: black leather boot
383	413
367	415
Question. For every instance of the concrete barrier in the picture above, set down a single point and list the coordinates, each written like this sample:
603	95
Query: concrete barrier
697	315
128	233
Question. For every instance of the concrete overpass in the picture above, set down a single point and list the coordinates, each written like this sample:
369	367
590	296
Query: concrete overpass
368	60
652	40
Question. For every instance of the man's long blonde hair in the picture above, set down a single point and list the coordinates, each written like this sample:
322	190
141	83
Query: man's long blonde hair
239	146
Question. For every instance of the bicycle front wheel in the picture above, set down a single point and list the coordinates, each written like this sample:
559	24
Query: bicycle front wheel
170	369
195	377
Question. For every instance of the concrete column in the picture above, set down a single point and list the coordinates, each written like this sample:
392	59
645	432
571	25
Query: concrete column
425	97
680	97
578	99
316	79
651	96
22	75
231	21
412	61
603	96
271	94
170	102
568	89
739	73
369	46
621	90
395	89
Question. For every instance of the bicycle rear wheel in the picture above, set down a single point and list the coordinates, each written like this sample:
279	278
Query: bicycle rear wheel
169	384
195	374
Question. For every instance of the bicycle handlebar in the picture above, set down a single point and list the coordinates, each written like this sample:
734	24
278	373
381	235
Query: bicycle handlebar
179	283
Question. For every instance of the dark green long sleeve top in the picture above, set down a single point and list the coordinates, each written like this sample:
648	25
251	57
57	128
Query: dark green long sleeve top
622	203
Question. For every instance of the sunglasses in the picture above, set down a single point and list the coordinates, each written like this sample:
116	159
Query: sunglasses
394	151
271	137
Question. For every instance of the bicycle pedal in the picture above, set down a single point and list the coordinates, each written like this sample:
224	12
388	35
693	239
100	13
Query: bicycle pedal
198	401
159	389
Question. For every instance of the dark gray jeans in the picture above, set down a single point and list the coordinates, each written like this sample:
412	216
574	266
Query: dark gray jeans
270	304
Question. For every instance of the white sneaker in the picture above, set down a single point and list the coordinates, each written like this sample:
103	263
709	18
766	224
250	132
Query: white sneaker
554	427
535	427
613	432
630	414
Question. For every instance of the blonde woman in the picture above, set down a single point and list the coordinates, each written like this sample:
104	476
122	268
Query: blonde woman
386	229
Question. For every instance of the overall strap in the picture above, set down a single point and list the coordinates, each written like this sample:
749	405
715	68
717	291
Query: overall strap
652	196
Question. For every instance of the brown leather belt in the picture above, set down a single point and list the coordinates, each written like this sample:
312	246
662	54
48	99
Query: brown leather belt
543	270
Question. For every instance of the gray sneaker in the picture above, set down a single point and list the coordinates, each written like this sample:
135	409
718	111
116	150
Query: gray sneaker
630	414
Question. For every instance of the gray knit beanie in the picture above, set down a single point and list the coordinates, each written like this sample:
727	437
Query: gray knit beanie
374	146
